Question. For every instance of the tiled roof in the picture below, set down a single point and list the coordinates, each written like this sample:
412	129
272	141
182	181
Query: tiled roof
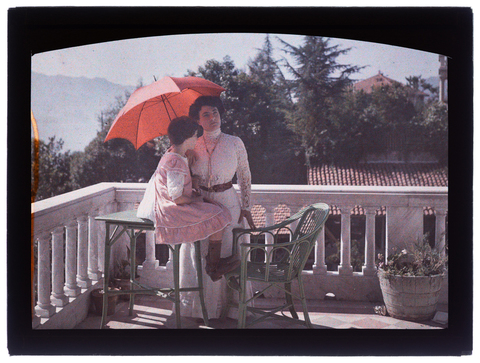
280	213
376	81
388	174
379	80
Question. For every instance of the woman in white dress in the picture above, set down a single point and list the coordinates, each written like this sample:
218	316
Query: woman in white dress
217	158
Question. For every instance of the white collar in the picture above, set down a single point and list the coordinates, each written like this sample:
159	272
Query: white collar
212	134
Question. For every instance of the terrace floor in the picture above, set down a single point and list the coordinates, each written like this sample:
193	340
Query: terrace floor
151	312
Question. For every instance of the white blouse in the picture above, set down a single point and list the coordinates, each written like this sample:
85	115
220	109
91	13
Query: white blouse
220	157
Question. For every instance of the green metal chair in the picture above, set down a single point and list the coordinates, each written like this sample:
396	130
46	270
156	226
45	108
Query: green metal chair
278	264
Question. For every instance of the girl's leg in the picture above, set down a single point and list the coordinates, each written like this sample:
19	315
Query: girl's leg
216	268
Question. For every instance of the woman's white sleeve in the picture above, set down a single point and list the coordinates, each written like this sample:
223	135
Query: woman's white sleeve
244	177
175	183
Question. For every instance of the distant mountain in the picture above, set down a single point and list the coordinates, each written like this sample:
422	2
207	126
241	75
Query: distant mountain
69	107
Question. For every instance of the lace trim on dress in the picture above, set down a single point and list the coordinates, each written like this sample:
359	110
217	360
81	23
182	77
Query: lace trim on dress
244	177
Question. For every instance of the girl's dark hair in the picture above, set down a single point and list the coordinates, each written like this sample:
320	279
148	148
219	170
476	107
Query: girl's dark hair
183	128
201	101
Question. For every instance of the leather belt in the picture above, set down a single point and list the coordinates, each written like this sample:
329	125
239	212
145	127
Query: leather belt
218	188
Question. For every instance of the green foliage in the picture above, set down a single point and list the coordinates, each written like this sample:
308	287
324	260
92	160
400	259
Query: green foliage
256	102
319	83
121	269
434	123
419	260
53	169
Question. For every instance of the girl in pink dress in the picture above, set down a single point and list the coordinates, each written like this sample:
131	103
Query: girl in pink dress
181	214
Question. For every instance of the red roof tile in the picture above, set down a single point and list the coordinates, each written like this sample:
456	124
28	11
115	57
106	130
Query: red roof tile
379	80
427	175
422	175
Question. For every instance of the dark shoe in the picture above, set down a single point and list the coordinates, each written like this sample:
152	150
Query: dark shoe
229	259
216	272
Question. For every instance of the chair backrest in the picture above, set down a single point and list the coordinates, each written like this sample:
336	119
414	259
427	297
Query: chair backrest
312	219
310	225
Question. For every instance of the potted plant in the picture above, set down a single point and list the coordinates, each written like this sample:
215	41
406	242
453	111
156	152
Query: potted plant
97	299
121	274
411	280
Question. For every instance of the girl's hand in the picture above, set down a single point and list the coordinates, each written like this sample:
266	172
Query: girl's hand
195	182
192	157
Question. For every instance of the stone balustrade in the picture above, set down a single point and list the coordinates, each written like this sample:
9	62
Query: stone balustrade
70	251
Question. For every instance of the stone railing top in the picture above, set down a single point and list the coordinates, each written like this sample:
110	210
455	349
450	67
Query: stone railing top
83	201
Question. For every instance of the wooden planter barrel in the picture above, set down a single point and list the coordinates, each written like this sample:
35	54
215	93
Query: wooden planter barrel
97	297
412	298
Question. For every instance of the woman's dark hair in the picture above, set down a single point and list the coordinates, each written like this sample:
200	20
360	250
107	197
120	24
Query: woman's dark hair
183	128
201	101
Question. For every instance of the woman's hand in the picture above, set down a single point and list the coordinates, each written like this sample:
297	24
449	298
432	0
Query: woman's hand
248	216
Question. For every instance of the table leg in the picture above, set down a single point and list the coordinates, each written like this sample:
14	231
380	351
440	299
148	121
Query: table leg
176	283
198	262
133	268
106	276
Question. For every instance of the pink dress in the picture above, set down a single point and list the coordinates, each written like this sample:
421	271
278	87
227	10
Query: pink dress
185	223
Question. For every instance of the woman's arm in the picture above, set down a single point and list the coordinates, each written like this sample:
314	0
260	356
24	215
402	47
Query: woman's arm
244	179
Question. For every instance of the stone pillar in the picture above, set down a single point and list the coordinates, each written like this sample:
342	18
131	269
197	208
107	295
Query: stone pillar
345	267
440	230
82	253
44	308
93	271
71	287
169	264
150	263
269	221
404	227
319	266
369	266
58	297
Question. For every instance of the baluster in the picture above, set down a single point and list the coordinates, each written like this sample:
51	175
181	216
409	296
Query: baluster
369	266
93	271
269	220
150	263
44	308
82	253
71	287
169	264
319	266
345	267
440	229
58	297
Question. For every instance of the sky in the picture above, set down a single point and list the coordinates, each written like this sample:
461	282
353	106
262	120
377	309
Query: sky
127	62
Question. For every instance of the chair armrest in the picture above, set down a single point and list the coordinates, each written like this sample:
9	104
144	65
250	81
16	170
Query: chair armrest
273	246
